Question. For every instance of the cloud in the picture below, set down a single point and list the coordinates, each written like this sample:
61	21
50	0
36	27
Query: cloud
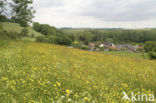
121	10
96	13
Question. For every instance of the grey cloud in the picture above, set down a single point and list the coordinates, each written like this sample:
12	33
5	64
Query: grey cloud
121	10
40	4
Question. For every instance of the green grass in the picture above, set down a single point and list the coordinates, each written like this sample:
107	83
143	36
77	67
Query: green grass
33	72
128	54
14	27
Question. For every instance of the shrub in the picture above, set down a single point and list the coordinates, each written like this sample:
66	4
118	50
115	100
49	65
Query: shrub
150	47
77	44
1	27
24	32
54	39
42	39
101	49
66	41
11	34
23	23
152	55
62	40
37	26
84	47
3	18
32	36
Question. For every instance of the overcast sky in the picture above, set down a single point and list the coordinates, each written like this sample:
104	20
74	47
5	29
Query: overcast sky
96	13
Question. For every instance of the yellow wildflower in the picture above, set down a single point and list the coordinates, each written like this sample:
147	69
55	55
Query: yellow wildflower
68	91
59	84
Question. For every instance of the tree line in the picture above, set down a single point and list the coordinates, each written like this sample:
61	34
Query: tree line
51	34
114	36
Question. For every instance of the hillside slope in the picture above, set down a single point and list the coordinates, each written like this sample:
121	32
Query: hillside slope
44	73
14	27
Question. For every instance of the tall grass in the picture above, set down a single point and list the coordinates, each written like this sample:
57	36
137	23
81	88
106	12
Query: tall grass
44	73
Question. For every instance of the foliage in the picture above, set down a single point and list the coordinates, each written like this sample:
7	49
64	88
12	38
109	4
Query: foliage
3	18
109	40
150	47
37	26
44	73
84	47
42	39
152	55
2	7
24	32
52	34
15	27
22	11
116	36
54	40
1	26
45	29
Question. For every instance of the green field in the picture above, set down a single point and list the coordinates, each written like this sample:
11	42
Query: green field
43	73
14	27
128	54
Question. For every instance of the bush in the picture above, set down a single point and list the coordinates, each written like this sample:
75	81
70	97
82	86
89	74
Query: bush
84	47
37	26
101	49
62	40
66	41
152	55
42	39
32	36
24	32
54	39
150	48
1	27
3	18
11	34
23	23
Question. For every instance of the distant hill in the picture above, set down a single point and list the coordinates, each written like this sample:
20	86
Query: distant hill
14	27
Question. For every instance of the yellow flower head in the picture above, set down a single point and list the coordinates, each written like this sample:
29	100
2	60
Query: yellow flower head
68	91
86	99
59	84
4	78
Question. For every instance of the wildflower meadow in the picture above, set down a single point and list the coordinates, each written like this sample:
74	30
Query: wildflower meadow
44	73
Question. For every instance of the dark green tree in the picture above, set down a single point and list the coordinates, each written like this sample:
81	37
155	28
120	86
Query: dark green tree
150	48
37	26
2	6
22	11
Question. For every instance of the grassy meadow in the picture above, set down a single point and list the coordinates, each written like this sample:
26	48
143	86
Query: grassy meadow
15	27
128	54
43	73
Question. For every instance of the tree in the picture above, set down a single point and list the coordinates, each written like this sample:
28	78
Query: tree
150	48
0	27
37	26
85	37
2	8
109	40
22	11
3	18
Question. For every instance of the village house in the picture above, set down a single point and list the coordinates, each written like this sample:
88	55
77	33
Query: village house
111	46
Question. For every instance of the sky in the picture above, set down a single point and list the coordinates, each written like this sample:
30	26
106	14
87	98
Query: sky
96	13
